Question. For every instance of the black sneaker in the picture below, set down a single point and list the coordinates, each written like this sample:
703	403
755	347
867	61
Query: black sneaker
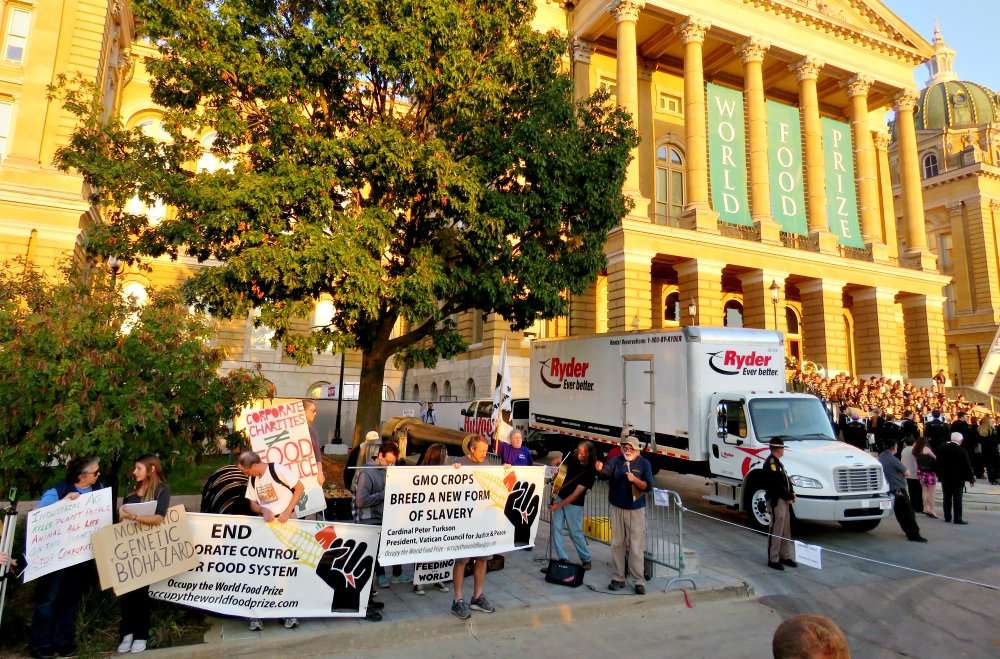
789	562
480	604
373	615
616	585
43	653
66	650
461	610
776	566
960	521
640	589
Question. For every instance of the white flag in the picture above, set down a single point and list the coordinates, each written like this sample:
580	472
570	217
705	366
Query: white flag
500	420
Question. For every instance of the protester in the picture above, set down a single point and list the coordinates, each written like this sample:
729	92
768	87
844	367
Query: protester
630	477
429	415
310	412
478	448
909	460
989	453
895	474
925	474
57	594
514	453
273	491
359	456
954	470
369	499
16	566
150	485
567	510
779	493
435	455
809	637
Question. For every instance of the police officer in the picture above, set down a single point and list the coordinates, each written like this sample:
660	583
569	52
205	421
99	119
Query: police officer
779	495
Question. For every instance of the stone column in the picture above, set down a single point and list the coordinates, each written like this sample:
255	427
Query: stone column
926	350
582	51
647	138
629	290
887	207
752	51
864	158
824	339
626	13
982	254
878	339
910	183
697	210
807	73
758	309
965	293
700	281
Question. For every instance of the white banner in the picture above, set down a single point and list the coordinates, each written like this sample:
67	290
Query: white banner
58	536
500	418
251	569
433	572
281	434
437	513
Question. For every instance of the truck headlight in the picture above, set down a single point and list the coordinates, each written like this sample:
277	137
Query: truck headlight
802	481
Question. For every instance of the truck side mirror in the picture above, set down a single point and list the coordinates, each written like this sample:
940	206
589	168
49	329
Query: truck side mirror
722	420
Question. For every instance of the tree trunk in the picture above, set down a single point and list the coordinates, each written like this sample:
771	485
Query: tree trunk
369	415
113	472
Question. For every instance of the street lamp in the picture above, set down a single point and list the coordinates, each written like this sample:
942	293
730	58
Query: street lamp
774	300
635	323
692	310
114	266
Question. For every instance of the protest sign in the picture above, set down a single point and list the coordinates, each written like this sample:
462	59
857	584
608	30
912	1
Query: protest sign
433	572
251	569
58	536
280	434
131	555
437	513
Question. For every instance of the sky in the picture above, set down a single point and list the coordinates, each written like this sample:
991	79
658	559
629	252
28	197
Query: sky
969	27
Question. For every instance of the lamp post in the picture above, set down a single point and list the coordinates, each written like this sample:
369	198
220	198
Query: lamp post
692	310
340	398
774	301
114	266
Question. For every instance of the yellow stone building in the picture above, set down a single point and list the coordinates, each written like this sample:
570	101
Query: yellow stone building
765	158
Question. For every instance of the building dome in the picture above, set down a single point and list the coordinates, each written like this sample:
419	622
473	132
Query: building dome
955	104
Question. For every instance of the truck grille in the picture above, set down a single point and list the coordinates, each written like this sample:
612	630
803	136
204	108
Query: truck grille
858	479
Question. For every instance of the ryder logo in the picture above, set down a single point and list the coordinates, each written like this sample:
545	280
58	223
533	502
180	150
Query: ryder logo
566	375
730	362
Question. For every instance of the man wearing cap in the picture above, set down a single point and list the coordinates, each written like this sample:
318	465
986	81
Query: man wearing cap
630	477
954	470
779	494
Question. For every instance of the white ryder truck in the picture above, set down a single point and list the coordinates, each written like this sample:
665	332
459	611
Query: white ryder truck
706	401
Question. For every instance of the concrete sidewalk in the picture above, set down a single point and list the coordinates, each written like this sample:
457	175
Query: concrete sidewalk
521	596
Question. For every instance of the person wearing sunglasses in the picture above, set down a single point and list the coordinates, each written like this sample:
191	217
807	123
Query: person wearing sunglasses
57	594
630	477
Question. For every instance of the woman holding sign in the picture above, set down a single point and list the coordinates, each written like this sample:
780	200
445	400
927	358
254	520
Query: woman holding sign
53	626
146	503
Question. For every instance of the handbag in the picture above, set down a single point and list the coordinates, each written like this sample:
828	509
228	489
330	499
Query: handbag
565	574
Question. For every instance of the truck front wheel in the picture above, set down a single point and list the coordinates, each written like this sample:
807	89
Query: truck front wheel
755	505
862	525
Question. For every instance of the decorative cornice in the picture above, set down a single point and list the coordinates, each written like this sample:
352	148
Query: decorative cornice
693	29
954	209
752	49
626	10
583	50
807	68
906	100
858	85
882	139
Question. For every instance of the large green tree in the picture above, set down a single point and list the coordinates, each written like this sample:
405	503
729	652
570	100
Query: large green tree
84	371
410	159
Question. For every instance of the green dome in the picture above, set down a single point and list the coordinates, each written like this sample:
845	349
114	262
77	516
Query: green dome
955	104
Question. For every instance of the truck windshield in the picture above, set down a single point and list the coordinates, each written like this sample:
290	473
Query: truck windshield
790	418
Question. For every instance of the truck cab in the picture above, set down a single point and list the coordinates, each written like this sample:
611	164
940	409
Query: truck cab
477	418
833	481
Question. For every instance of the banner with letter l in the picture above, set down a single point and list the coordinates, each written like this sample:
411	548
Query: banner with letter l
727	156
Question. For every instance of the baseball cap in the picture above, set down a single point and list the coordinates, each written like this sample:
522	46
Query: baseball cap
631	441
373	436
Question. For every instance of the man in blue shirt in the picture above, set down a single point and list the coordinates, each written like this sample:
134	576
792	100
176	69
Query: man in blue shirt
514	454
630	477
895	475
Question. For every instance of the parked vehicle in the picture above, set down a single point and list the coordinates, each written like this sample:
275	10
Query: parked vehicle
706	401
478	418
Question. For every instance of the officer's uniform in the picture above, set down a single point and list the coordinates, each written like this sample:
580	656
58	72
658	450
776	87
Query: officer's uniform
779	493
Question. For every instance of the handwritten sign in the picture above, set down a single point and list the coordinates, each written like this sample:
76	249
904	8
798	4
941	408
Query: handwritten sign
58	536
280	434
131	555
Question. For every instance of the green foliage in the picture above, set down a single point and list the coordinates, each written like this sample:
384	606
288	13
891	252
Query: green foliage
74	382
406	158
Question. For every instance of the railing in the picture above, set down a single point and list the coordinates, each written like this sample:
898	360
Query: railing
664	524
910	264
795	241
856	253
741	231
667	221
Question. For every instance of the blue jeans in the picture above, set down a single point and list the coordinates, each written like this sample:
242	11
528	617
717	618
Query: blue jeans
572	518
56	598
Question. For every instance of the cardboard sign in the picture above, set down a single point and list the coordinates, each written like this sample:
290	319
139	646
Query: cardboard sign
251	569
437	513
58	536
811	555
433	572
281	434
131	555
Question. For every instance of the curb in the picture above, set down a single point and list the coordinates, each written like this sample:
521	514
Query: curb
358	637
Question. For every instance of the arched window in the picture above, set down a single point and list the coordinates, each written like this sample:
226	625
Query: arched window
318	390
669	184
434	390
135	294
447	389
930	165
470	389
672	308
791	321
209	162
416	392
793	336
156	129
260	336
733	313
